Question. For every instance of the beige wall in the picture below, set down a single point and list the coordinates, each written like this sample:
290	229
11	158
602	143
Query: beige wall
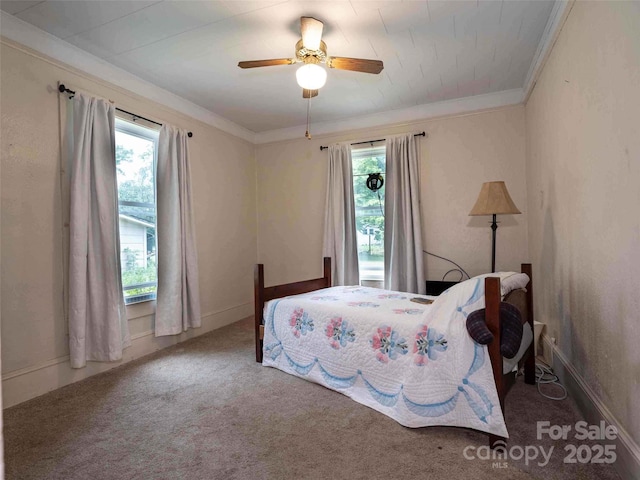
583	176
459	154
34	330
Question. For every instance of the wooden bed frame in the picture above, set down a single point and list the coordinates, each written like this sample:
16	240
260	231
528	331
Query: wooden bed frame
520	298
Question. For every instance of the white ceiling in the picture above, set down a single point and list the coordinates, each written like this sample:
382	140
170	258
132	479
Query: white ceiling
433	50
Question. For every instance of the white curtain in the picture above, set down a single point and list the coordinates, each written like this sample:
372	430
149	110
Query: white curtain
340	218
98	327
403	265
178	296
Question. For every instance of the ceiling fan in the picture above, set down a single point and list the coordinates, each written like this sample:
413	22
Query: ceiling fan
312	51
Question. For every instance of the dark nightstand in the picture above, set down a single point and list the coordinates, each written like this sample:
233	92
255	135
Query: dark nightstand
436	287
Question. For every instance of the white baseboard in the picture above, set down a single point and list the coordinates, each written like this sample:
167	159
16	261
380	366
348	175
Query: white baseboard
594	410
27	383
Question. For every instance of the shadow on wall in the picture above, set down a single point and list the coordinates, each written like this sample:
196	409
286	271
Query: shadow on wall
588	313
550	287
567	301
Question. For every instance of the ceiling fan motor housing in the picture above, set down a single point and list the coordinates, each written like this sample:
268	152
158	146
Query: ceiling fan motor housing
306	55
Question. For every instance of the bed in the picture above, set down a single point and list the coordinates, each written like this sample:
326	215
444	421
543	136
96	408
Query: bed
414	362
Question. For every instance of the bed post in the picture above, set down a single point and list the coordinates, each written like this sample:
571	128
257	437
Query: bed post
530	361
327	270
258	284
492	317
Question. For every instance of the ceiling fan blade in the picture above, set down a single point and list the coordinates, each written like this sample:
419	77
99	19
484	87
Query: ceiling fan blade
311	31
267	63
309	93
355	64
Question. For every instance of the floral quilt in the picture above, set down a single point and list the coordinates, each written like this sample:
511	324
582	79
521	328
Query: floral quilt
413	362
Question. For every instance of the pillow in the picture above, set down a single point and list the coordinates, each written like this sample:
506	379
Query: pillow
514	281
510	329
508	280
477	328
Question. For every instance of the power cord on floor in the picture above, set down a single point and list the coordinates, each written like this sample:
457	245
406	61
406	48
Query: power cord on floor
545	376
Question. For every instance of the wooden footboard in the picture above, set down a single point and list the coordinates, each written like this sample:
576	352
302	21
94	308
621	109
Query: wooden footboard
492	317
263	295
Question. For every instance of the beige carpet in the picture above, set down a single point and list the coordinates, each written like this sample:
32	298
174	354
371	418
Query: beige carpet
205	410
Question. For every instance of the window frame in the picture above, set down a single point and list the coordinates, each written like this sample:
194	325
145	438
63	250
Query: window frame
129	127
362	152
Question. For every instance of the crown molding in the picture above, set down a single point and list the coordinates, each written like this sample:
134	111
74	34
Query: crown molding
53	47
558	16
400	116
36	39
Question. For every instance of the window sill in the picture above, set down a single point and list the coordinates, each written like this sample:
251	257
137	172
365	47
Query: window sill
141	309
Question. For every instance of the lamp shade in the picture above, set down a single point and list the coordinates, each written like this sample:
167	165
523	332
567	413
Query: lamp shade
311	76
494	199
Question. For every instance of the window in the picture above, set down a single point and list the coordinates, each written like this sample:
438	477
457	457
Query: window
136	151
369	212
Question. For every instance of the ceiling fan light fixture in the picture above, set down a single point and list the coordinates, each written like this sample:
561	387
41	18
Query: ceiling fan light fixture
311	76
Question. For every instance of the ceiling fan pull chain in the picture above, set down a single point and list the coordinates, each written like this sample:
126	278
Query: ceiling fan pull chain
307	134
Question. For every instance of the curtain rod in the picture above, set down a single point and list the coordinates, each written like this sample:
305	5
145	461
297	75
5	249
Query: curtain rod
421	134
63	89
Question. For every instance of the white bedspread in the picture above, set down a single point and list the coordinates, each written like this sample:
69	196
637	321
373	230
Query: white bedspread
415	363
